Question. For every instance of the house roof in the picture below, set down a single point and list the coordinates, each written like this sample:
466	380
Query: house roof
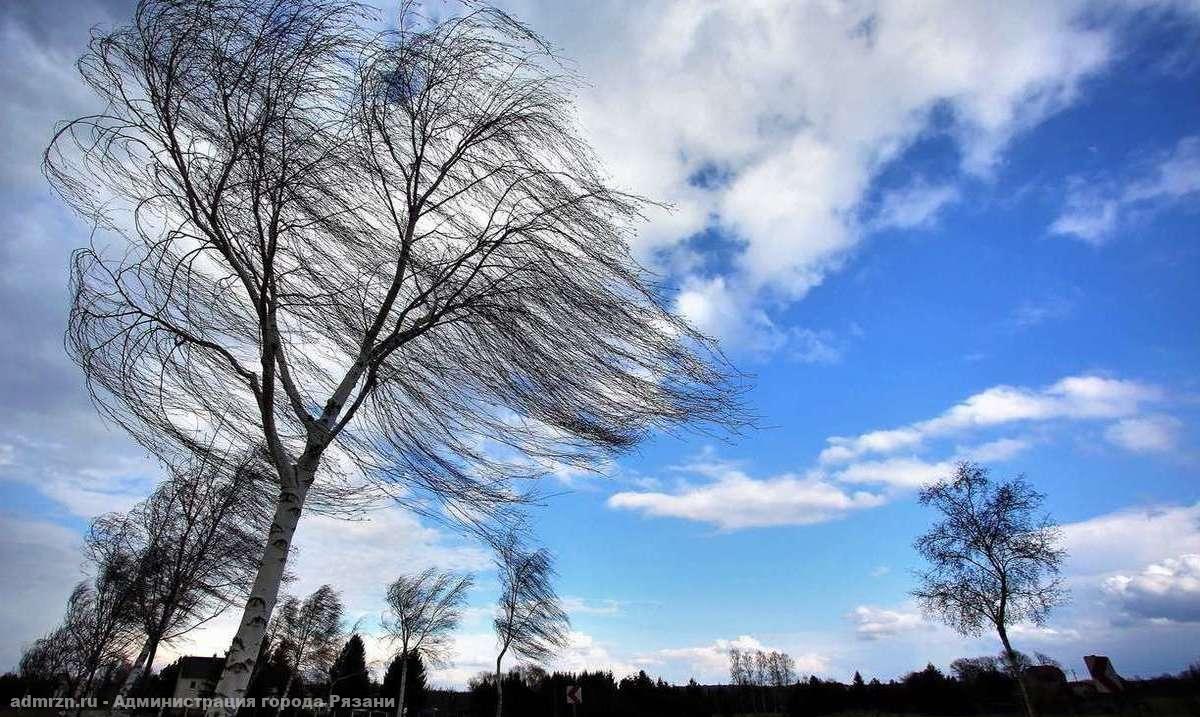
201	668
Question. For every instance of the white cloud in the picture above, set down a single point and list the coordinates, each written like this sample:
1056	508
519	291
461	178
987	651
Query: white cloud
875	623
1034	313
914	207
1145	434
1093	213
1082	397
583	606
897	472
1001	449
734	501
1127	540
1166	590
718	308
710	663
795	108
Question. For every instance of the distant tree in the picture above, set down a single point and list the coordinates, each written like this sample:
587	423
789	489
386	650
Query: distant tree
49	660
857	682
993	559
422	611
98	628
193	548
970	669
530	621
349	676
308	633
415	679
740	673
781	669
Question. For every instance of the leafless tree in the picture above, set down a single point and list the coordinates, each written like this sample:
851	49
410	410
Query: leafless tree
50	660
530	621
389	252
309	634
781	669
423	609
98	628
193	546
993	558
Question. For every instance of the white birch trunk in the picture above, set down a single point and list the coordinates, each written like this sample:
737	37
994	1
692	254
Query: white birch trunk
243	652
136	672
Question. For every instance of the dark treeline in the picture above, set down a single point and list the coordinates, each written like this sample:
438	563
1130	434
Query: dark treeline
532	692
975	686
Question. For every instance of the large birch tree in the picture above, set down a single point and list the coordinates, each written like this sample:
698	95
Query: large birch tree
384	259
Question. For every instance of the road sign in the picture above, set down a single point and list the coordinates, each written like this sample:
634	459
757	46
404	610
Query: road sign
574	695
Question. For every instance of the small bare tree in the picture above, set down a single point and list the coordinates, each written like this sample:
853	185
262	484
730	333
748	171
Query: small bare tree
98	629
193	545
394	248
424	609
530	621
309	634
993	559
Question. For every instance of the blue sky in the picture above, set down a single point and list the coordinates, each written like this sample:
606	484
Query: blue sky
929	233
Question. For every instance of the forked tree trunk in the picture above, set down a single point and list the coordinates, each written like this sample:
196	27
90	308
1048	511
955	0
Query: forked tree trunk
243	652
1014	665
403	685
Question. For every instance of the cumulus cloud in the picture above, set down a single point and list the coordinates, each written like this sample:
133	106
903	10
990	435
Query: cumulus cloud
710	662
888	460
1094	212
898	472
1127	540
1085	397
876	623
734	500
718	307
1145	434
914	207
772	122
1166	590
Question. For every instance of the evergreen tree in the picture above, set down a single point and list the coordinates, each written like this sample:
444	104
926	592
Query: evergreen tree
349	676
415	693
858	680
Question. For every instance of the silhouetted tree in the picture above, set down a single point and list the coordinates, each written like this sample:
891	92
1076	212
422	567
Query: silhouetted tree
423	609
192	547
390	245
993	560
529	620
349	675
415	678
98	628
308	633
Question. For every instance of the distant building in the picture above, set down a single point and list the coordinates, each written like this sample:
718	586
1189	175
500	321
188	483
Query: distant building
198	676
